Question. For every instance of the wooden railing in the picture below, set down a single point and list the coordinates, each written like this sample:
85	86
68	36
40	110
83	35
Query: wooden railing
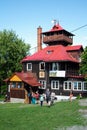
56	37
17	93
72	72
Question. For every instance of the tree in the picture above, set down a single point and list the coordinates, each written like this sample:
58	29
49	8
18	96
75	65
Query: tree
83	65
12	50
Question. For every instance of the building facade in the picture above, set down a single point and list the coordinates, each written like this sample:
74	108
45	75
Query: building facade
57	65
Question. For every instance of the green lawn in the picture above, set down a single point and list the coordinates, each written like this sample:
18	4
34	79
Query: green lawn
33	117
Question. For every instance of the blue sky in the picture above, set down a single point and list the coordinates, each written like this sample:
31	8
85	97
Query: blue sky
24	17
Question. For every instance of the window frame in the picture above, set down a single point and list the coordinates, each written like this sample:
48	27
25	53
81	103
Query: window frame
55	64
30	66
84	86
43	82
40	68
77	87
55	83
64	87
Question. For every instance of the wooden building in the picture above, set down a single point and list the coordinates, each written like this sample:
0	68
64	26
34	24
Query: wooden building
20	84
57	65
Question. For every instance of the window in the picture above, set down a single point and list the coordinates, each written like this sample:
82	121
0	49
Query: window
55	66
55	84
85	86
42	66
19	85
13	85
29	66
77	85
49	51
67	85
43	82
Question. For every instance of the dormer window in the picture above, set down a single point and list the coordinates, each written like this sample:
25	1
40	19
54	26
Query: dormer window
42	66
29	66
49	51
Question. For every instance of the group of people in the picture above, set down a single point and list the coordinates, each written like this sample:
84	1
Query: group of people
48	96
35	98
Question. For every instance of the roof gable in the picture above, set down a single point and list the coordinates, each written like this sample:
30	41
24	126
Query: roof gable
15	78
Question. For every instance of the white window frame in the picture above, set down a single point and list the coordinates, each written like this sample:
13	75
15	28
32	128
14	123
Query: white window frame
40	65
29	69
55	64
54	84
77	89
83	86
43	82
67	85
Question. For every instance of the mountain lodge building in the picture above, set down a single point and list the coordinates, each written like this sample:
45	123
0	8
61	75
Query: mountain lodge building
57	65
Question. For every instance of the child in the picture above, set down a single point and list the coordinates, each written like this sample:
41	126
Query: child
41	100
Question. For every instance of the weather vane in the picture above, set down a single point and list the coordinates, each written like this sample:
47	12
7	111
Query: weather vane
55	22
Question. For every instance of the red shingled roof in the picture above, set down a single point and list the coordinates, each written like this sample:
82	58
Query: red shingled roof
53	53
73	48
26	77
57	27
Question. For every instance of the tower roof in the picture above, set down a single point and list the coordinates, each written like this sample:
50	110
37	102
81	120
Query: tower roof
57	28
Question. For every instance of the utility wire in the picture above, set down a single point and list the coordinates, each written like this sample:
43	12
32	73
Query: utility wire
79	28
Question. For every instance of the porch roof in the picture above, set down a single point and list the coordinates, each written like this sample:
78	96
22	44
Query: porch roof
26	77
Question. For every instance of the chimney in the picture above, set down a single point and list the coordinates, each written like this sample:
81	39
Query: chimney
39	38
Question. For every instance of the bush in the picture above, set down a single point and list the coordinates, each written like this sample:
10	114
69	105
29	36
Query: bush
3	89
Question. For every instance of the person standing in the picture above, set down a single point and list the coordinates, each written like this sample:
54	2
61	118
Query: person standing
48	96
52	97
30	97
41	100
71	95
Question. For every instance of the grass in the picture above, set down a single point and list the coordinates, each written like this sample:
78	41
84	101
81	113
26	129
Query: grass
33	117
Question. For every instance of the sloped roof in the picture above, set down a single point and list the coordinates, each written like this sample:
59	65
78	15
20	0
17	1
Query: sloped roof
74	48
26	77
53	53
57	27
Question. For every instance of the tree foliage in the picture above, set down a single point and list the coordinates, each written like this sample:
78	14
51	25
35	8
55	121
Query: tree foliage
12	51
83	65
